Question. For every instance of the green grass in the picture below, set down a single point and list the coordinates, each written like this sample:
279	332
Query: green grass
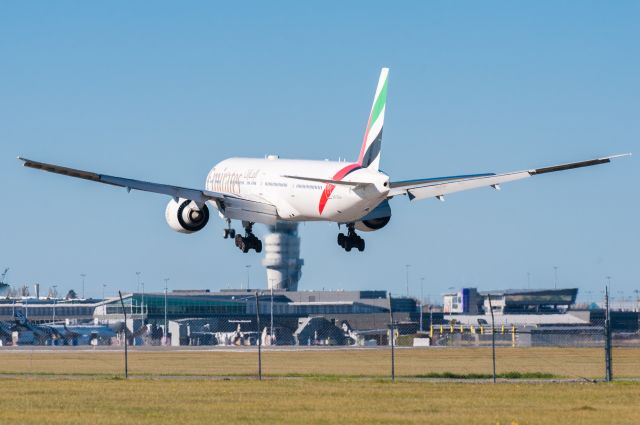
506	375
300	401
515	363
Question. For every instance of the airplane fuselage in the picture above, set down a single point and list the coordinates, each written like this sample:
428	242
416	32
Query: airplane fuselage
302	200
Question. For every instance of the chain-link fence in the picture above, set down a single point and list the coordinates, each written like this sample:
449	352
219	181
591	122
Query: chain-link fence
400	344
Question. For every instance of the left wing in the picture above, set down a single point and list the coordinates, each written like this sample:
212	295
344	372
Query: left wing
440	186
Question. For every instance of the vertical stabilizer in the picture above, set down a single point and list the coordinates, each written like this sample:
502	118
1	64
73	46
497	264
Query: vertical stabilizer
372	143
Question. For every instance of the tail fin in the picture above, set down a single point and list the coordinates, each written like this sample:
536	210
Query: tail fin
372	143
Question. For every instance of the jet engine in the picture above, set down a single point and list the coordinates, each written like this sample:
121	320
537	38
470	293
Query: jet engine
185	216
376	219
371	225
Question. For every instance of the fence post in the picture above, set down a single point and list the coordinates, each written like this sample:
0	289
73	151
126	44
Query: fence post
392	338
607	337
259	338
493	340
126	354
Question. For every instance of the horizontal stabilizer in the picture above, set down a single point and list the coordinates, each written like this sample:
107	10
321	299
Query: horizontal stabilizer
329	181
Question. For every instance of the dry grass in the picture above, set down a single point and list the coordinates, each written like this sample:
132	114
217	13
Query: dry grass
561	362
107	401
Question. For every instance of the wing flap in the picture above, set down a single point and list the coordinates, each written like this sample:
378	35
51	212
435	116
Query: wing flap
441	189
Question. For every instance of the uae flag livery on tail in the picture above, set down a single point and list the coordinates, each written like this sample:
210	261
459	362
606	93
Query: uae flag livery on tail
372	143
370	151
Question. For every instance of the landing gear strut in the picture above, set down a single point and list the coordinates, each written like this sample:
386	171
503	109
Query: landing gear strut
249	240
351	239
229	232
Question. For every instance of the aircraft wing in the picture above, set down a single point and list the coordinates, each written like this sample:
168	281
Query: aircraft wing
200	196
231	205
440	186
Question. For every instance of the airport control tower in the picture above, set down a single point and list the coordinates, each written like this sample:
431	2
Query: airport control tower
282	256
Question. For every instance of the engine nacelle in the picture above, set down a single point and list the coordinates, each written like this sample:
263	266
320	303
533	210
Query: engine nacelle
184	216
376	219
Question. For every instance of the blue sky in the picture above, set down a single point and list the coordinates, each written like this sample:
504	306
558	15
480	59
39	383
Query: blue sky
163	91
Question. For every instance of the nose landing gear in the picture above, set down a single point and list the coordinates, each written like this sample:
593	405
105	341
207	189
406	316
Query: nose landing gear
249	240
351	239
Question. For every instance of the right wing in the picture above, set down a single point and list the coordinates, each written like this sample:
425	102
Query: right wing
198	196
440	186
231	205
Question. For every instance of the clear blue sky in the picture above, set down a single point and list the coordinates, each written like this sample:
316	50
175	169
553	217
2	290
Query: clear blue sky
162	91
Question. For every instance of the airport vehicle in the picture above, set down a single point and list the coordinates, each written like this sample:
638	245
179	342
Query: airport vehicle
267	190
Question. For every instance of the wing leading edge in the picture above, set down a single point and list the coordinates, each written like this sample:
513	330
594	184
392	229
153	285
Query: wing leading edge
440	186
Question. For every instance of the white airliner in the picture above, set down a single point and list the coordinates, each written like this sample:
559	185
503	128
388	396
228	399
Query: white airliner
267	190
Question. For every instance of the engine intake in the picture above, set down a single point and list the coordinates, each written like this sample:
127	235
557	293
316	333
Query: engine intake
184	216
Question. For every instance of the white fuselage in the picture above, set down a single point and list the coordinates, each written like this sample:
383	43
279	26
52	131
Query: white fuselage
301	200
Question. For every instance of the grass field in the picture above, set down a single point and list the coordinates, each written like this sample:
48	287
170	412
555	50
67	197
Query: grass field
309	401
70	386
374	363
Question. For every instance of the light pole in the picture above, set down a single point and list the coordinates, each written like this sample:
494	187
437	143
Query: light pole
83	276
138	279
166	283
421	301
54	303
555	273
142	300
271	327
248	266
407	269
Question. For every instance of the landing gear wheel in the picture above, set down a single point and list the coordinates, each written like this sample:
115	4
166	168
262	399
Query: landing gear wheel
232	233
249	241
350	240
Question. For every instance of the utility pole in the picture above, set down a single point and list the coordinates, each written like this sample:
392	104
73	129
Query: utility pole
166	283
83	276
607	339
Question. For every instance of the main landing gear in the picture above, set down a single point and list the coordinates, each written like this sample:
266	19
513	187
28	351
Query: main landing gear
229	232
249	240
351	239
